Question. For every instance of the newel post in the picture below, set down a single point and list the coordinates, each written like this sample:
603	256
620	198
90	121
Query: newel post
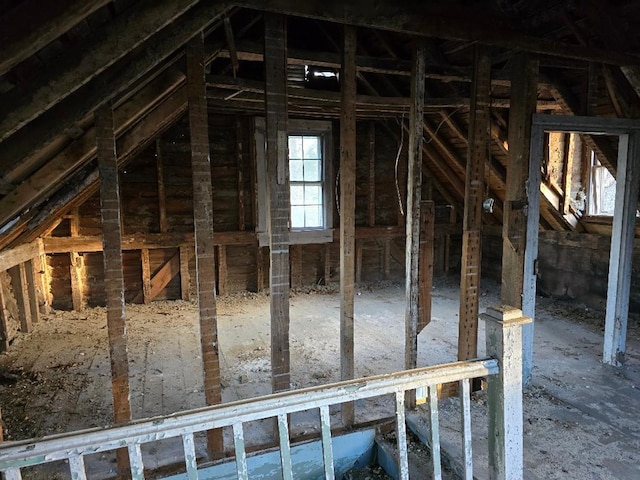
503	326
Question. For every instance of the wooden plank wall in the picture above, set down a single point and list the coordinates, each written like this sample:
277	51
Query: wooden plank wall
233	188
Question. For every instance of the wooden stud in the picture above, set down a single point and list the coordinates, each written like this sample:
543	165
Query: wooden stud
296	265
41	271
185	278
113	276
347	212
414	194
203	229
4	316
161	279
371	203
573	157
32	288
76	267
162	198
327	263
275	66
479	126
240	164
259	269
223	271
427	247
387	258
146	275
359	251
524	84
21	293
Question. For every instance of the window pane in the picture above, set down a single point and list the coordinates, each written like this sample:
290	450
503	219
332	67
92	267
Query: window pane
311	146
297	195
295	147
312	171
312	195
295	170
297	217
313	216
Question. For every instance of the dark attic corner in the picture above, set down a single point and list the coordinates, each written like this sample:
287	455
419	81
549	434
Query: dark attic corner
300	240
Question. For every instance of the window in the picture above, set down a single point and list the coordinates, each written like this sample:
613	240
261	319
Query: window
310	147
305	178
602	192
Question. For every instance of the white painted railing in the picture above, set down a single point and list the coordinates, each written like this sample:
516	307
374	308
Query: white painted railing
75	446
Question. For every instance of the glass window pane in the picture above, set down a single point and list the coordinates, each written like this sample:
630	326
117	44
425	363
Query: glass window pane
295	147
313	216
312	195
297	217
312	171
295	170
311	146
297	195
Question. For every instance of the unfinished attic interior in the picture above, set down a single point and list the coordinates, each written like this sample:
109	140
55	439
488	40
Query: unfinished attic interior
303	240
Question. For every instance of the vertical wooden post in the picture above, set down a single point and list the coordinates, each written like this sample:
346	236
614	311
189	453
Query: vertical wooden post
41	272
327	263
162	198
371	203
479	126
387	258
427	247
240	164
113	276
296	265
414	194
76	268
203	229
185	278
347	211
504	390
146	275
621	255
359	252
259	269
21	292
4	318
32	289
524	83
517	206
275	64
223	272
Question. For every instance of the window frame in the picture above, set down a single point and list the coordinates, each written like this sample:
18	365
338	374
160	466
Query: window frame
322	129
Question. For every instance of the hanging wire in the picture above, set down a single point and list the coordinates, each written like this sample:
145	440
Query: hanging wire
397	161
442	123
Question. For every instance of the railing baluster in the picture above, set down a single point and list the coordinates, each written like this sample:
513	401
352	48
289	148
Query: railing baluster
285	447
135	458
435	432
465	405
189	446
12	474
401	434
327	446
241	454
76	465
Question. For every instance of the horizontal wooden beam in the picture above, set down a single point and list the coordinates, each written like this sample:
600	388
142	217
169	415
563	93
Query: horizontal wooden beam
250	95
15	256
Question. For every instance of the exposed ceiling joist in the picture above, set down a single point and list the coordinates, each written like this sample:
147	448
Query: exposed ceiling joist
446	20
32	25
115	80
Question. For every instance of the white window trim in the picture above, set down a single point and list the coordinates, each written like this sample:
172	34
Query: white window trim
296	127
